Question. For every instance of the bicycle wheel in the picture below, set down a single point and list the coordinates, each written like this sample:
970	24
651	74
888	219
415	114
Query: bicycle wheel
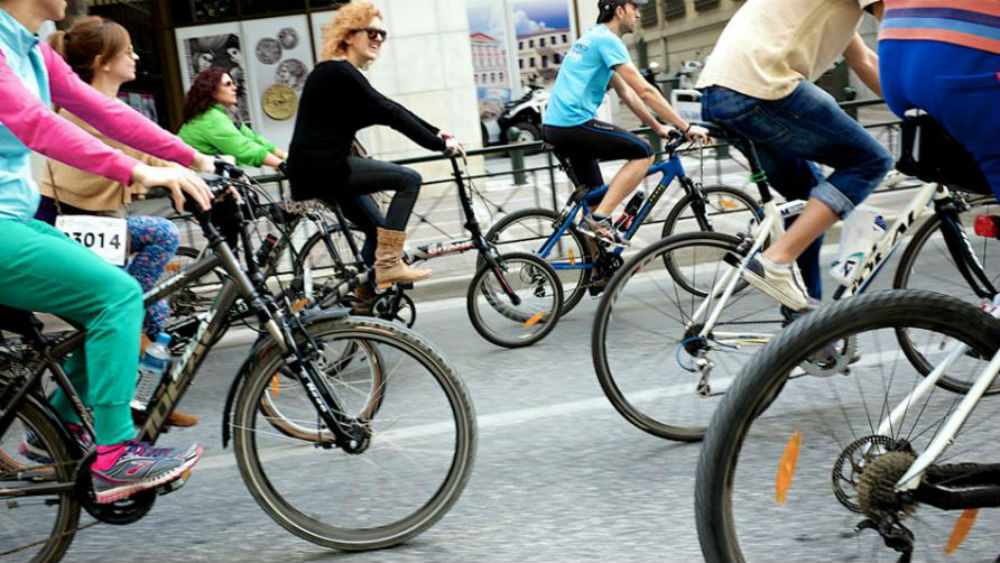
356	373
646	347
928	264
527	230
788	471
36	528
497	318
416	466
729	210
315	257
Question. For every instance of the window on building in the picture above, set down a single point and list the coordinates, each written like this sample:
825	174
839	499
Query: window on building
705	4
565	38
541	42
520	63
531	43
531	62
674	9
502	77
647	14
545	61
493	77
556	59
520	45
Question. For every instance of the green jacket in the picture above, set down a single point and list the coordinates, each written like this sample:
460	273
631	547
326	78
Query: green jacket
214	132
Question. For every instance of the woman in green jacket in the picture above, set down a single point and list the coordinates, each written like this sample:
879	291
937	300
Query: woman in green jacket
210	128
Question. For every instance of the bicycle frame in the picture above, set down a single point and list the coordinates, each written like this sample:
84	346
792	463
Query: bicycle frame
879	253
671	168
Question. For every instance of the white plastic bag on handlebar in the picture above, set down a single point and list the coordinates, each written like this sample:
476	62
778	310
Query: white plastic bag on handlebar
860	230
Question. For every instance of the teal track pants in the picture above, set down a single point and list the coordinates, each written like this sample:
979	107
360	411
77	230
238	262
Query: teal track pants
42	270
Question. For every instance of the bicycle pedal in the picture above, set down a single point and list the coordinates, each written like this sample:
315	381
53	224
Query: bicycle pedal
175	484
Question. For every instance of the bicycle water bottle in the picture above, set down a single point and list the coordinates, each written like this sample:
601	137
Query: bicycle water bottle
631	209
861	230
154	363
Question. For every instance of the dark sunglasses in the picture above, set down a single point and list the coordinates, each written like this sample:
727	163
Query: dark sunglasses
375	33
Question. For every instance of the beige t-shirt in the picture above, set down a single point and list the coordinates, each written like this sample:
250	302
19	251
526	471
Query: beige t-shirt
770	45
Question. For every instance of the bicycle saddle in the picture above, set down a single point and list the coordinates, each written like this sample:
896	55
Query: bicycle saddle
928	152
563	162
18	321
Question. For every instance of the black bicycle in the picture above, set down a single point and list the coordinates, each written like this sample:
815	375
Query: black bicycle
513	299
384	430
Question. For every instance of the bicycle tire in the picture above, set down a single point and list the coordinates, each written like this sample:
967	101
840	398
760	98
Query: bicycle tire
14	468
462	446
537	318
758	388
576	282
746	201
659	395
907	268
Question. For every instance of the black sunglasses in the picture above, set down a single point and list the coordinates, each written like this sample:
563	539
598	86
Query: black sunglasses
375	33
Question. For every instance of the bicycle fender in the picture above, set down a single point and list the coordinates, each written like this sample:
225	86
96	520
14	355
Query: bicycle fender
258	351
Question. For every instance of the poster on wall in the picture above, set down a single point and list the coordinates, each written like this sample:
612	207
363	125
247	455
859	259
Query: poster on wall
544	35
218	45
491	54
280	56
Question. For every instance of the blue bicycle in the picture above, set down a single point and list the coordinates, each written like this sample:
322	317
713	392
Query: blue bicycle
585	266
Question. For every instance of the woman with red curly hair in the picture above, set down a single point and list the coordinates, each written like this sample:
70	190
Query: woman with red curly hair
213	128
337	101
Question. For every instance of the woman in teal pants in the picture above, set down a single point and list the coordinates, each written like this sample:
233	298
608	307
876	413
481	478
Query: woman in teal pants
42	270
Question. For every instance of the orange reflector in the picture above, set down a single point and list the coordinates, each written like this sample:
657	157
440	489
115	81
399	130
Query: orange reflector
173	267
275	385
728	204
786	470
533	320
185	474
299	304
961	529
572	257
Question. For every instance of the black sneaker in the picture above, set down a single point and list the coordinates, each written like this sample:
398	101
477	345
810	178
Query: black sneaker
602	230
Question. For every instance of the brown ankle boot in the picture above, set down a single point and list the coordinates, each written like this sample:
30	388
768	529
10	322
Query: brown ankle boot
362	304
178	418
389	265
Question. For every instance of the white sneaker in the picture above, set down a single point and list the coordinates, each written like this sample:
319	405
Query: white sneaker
781	281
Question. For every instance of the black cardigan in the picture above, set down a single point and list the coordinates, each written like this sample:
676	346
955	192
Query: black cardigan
338	101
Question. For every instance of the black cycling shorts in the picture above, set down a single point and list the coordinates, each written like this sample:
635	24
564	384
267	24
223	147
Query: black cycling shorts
588	144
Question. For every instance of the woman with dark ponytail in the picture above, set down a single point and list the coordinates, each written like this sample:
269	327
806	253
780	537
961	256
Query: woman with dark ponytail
100	52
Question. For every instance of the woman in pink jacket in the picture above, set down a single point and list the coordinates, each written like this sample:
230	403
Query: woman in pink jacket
42	270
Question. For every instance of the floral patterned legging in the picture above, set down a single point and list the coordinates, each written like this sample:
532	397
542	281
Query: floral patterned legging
154	242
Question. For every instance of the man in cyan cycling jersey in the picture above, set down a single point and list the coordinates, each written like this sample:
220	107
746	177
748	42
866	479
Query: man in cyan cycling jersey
943	57
758	84
596	60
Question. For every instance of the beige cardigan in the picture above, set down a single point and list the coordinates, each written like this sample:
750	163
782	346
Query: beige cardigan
89	191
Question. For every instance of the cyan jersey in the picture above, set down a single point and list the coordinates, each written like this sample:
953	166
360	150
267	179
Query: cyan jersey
584	77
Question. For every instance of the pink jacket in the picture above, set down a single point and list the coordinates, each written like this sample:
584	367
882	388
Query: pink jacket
39	128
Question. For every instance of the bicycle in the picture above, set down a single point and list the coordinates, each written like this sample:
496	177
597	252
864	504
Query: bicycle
873	460
684	298
368	395
585	266
513	299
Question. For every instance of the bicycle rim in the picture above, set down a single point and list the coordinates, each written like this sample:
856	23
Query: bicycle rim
495	315
419	459
37	529
795	482
646	346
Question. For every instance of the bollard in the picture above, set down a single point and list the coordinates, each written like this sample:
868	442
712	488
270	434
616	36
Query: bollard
516	157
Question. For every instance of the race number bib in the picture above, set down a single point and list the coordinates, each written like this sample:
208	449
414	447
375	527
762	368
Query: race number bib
105	236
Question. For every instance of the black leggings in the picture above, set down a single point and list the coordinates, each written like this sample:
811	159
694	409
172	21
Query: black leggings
367	177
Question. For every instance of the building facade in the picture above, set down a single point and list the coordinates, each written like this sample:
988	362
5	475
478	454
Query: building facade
426	64
489	62
540	55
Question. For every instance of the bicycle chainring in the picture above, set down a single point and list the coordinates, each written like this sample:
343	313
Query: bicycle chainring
126	511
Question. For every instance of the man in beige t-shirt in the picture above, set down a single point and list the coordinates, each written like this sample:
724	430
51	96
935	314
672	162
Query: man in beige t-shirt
758	84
